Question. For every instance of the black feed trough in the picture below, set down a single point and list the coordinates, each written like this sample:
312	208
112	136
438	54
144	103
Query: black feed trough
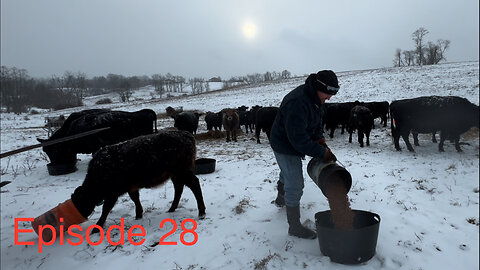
61	168
351	246
204	165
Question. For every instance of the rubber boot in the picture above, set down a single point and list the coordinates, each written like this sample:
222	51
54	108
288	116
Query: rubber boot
295	227
280	200
66	210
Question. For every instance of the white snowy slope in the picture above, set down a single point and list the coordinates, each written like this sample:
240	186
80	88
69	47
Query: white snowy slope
428	201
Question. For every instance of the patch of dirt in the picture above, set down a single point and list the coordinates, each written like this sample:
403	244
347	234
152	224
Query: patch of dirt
240	208
473	221
210	135
472	134
264	262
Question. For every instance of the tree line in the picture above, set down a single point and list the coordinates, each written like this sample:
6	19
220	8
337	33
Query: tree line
423	53
257	78
19	91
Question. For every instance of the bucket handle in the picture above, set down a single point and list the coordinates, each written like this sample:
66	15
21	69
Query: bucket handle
376	217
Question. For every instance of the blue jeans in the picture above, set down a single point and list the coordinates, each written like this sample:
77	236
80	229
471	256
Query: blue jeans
291	175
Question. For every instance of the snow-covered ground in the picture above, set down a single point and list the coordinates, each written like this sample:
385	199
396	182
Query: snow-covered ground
148	93
428	201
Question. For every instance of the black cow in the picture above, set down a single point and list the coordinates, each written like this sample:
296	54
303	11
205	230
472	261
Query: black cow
245	119
338	114
123	126
172	111
242	108
143	162
253	115
214	120
450	115
378	109
361	119
60	133
187	121
264	121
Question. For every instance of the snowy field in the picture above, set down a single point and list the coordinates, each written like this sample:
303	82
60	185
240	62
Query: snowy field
428	201
148	93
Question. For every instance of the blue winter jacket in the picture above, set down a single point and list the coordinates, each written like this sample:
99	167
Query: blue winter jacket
298	124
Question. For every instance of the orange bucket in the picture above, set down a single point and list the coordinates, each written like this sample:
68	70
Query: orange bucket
65	210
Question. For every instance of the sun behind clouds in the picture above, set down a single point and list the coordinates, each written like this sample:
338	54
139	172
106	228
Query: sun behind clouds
249	30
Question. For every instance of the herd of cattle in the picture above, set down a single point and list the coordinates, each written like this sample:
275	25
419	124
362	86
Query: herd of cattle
449	115
125	161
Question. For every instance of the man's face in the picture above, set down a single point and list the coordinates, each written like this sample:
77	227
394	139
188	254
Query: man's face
323	96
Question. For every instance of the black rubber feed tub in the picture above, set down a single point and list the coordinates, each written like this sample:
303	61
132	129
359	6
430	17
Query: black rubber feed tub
61	168
348	247
205	165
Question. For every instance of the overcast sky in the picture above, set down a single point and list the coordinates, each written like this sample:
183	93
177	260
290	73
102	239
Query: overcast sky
212	38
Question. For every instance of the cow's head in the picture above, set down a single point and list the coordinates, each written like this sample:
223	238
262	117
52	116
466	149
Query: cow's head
242	108
256	108
229	114
59	153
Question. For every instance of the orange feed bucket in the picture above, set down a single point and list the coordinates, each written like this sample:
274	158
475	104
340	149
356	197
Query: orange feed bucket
65	214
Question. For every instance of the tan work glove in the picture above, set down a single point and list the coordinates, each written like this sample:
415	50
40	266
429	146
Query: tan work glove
329	156
322	142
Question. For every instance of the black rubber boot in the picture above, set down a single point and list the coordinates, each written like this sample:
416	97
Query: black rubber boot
295	227
280	200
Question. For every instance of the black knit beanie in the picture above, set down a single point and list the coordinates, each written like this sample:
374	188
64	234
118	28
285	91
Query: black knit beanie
326	81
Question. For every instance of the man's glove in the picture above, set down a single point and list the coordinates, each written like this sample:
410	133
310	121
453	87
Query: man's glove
322	142
329	156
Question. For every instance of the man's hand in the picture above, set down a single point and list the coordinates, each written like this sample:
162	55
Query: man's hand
329	156
322	142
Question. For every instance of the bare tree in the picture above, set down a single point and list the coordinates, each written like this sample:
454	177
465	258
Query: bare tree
254	78
267	76
179	81
160	90
200	84
135	82
68	80
56	82
397	61
169	80
207	86
436	52
16	86
443	45
227	84
158	82
75	84
125	90
197	85
80	85
286	74
418	37
408	58
113	81
432	53
276	75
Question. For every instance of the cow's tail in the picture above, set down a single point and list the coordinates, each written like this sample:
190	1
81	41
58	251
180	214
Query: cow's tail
155	121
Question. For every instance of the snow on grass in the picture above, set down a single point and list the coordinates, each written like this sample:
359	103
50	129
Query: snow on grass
428	201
